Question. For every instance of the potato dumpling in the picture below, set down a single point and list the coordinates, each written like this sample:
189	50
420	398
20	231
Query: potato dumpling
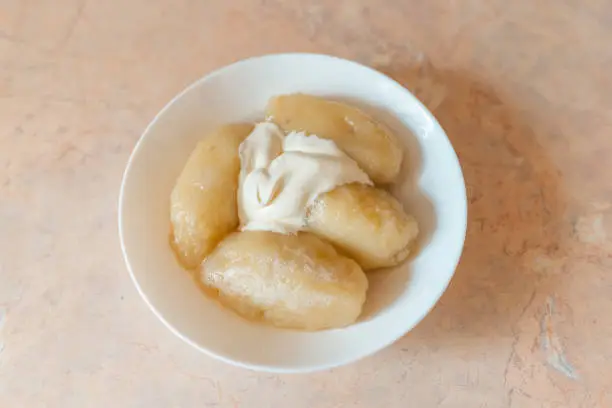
292	281
203	205
366	223
372	145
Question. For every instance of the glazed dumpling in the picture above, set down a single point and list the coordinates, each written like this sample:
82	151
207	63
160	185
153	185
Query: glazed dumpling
203	207
372	145
295	281
366	223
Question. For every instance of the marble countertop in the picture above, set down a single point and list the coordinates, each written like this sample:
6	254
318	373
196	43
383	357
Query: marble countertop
524	90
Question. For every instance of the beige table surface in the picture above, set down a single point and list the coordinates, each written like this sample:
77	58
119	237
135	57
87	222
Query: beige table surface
524	90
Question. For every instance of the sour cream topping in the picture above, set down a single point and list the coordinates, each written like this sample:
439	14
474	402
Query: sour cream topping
281	176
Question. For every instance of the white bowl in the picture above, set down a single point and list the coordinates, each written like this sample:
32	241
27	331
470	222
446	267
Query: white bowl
433	189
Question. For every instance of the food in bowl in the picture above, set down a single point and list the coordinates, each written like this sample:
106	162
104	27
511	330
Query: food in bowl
289	280
283	218
203	202
365	222
377	151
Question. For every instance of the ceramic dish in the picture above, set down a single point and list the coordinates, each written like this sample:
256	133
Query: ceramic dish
431	188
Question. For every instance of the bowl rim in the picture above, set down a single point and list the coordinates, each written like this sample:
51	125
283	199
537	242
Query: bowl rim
263	367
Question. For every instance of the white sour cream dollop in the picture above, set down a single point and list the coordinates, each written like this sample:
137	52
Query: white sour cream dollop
281	176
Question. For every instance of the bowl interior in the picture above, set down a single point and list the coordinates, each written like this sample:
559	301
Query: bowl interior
432	188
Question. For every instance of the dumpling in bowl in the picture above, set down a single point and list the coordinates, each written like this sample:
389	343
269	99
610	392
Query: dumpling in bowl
366	223
203	208
295	281
371	144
